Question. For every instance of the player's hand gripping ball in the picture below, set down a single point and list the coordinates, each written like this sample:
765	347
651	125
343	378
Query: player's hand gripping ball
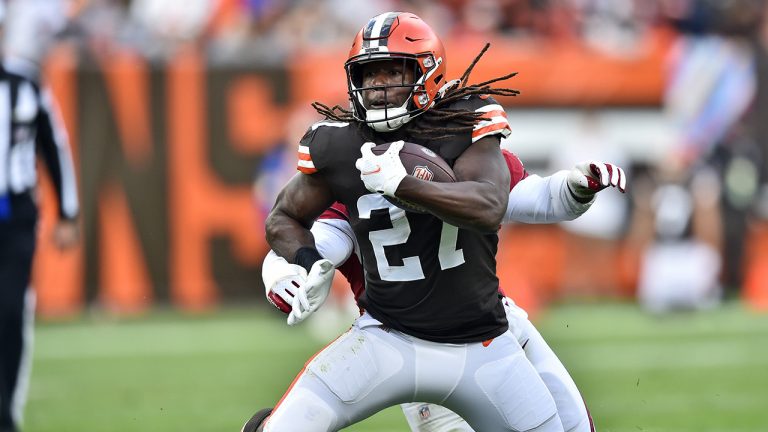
417	161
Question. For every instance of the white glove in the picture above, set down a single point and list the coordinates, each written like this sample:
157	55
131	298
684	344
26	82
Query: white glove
281	281
312	294
382	173
588	178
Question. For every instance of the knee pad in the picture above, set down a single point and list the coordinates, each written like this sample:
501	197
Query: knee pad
518	393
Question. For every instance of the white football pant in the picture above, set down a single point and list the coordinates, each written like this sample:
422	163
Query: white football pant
424	417
492	386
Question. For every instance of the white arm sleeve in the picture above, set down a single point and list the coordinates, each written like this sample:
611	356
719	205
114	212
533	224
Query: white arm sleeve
333	239
543	200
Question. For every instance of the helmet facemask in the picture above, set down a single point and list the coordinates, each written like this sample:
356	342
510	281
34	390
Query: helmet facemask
390	118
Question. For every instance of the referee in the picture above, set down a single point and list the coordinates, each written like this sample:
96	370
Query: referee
29	127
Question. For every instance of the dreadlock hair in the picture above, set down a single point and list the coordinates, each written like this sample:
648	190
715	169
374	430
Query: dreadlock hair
430	125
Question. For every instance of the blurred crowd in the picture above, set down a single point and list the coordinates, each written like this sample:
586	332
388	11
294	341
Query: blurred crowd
720	157
697	211
272	30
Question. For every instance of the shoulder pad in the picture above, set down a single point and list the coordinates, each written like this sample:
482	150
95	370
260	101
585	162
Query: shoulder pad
319	134
493	120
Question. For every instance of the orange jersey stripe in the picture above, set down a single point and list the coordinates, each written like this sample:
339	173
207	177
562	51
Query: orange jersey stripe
305	156
307	170
490	128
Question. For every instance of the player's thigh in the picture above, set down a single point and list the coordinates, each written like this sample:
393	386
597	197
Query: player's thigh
570	405
359	374
501	390
427	417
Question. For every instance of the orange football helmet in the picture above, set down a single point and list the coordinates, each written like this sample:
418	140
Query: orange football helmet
398	36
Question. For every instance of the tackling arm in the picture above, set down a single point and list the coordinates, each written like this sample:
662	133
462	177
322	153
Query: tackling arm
334	239
540	200
563	196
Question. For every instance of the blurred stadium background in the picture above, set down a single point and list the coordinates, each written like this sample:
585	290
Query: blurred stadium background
184	115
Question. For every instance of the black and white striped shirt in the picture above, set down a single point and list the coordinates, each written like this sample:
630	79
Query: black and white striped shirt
29	126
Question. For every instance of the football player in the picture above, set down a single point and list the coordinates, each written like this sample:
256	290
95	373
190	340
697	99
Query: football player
434	328
532	199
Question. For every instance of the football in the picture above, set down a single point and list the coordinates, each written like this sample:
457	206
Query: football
422	163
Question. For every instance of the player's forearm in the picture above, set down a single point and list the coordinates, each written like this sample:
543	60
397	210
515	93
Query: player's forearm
286	235
478	206
287	227
543	200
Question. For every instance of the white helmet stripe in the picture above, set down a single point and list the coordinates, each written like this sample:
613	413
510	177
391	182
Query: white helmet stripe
382	21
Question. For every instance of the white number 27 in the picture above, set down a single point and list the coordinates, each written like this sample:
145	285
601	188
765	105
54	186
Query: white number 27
448	255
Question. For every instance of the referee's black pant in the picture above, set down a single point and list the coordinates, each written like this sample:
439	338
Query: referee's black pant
17	246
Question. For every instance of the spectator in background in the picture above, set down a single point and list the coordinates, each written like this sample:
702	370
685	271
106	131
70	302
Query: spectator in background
98	27
677	221
758	114
710	103
28	123
614	27
171	23
30	28
268	31
755	277
480	17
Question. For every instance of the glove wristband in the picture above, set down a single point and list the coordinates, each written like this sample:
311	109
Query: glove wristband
306	256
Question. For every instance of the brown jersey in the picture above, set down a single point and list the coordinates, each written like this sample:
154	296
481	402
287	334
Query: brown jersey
423	276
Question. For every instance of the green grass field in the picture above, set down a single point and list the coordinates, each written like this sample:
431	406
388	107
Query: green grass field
170	372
